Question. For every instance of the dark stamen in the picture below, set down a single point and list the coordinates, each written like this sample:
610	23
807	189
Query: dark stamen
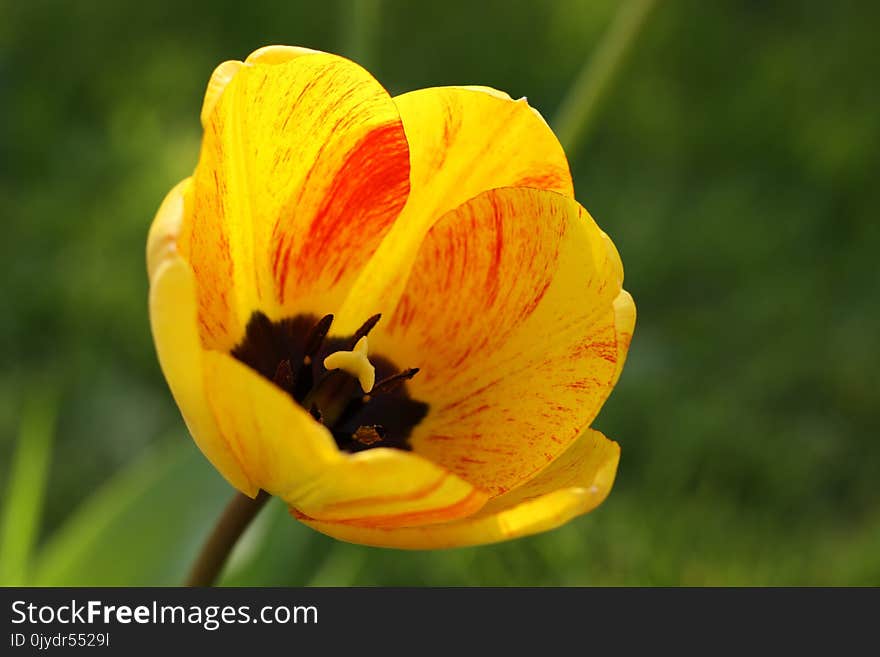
389	383
289	352
316	336
305	377
369	435
366	328
283	376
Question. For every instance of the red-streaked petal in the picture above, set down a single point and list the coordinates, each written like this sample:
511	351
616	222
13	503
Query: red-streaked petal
509	315
304	167
463	141
389	488
576	483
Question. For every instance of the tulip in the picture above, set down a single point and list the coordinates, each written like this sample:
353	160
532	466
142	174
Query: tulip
391	313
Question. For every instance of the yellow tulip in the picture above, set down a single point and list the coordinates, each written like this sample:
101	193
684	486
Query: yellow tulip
389	312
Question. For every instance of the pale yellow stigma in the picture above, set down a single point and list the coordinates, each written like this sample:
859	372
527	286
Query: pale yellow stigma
355	362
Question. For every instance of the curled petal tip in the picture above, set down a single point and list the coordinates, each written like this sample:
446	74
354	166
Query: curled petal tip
220	79
279	54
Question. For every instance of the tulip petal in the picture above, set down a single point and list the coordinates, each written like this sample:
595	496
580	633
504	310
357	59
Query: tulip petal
289	454
173	310
279	445
624	323
303	169
466	140
463	141
224	73
162	238
389	488
277	54
574	484
220	78
508	313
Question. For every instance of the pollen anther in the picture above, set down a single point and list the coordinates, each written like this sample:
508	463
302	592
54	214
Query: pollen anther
356	363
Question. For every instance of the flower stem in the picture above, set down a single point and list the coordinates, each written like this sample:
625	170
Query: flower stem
578	108
236	517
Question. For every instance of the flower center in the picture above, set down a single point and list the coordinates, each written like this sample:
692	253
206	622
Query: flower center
361	398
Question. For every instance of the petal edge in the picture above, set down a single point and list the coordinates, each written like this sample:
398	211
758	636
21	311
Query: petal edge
174	325
585	473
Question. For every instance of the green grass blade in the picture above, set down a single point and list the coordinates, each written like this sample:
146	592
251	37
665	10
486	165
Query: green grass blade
142	528
360	27
578	108
23	502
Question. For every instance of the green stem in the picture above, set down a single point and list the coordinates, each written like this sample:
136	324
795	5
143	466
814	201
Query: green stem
578	108
236	517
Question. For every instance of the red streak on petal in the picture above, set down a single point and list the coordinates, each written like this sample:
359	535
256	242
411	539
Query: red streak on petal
552	180
479	409
363	200
493	278
471	395
468	505
385	499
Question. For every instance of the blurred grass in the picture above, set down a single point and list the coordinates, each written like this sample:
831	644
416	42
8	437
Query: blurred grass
134	530
22	505
581	103
732	160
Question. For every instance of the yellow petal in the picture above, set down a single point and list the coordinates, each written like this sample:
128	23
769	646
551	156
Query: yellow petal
625	323
162	238
279	54
508	313
389	488
576	483
220	78
224	73
303	169
479	87
287	453
280	446
613	257
175	332
463	141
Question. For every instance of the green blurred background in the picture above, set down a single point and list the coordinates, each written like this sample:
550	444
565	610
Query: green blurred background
733	159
